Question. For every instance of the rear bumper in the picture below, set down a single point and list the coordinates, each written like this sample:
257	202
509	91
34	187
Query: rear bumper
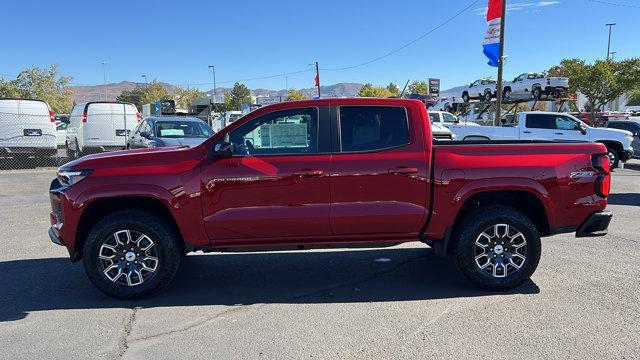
626	154
596	224
28	151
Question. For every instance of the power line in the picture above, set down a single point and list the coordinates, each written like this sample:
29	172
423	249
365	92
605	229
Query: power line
254	78
614	4
407	44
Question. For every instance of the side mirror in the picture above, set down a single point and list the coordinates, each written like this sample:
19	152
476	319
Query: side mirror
582	129
223	151
145	135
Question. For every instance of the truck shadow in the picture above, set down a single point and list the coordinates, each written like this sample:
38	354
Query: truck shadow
395	274
631	199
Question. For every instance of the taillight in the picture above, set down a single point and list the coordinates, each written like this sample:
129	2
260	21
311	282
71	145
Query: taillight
139	117
84	117
603	182
52	118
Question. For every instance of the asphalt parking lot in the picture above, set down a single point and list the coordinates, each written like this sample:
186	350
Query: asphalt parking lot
399	302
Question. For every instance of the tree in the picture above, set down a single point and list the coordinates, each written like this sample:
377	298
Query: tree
184	97
294	94
634	98
133	96
43	84
239	94
154	91
9	89
145	94
393	88
419	87
600	82
368	90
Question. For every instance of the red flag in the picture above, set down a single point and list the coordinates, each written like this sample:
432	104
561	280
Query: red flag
317	81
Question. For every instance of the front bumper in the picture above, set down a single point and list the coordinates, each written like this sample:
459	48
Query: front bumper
55	238
626	155
596	224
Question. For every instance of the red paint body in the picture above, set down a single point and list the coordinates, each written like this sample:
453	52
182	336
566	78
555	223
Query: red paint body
332	197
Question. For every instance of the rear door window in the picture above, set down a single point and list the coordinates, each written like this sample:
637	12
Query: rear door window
434	117
371	128
540	121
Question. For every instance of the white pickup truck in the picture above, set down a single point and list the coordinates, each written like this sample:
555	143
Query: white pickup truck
552	126
481	89
446	119
535	85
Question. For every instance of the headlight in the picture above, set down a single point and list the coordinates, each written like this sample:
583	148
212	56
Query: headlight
68	178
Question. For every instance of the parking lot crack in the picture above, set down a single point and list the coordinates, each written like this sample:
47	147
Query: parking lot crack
203	321
123	344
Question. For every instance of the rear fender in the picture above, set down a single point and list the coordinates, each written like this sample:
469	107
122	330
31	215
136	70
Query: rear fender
503	184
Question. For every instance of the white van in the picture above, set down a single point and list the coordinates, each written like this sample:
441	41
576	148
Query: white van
100	126
27	128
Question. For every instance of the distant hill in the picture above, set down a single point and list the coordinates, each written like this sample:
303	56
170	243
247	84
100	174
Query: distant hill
96	92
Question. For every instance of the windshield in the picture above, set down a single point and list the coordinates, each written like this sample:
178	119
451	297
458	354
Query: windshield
182	129
234	117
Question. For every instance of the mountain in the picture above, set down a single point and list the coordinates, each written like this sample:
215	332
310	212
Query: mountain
96	92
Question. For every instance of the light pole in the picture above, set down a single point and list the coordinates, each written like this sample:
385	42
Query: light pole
611	25
503	20
317	77
104	79
145	79
213	74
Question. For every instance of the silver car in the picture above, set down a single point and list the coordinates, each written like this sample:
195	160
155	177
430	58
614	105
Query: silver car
164	131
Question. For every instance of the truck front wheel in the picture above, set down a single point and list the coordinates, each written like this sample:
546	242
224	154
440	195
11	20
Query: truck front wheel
131	254
498	248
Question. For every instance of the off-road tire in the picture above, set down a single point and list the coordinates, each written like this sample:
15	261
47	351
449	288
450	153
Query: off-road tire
476	223
168	245
614	157
536	92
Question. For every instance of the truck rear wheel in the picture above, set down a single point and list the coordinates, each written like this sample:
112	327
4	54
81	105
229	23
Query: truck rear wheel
498	248
131	254
614	158
536	92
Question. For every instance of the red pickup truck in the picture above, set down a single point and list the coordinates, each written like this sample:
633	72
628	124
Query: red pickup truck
327	173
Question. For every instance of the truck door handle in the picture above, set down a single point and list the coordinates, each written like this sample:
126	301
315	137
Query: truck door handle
308	172
526	132
559	133
403	170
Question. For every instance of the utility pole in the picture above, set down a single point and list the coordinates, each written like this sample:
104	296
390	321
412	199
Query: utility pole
610	25
613	53
503	20
286	83
104	79
318	78
213	73
145	79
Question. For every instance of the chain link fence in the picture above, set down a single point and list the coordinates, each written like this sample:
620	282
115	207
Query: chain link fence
30	141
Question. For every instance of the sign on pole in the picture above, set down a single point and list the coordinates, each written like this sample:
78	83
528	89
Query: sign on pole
434	87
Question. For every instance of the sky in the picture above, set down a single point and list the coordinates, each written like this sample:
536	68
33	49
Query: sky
175	41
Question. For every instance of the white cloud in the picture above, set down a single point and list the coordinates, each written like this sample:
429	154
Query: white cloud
521	6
